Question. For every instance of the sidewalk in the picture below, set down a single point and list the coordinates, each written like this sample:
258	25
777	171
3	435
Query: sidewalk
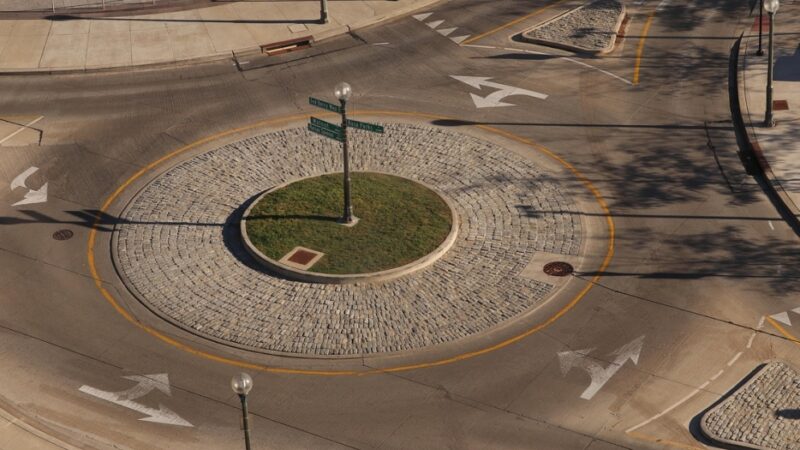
87	43
778	146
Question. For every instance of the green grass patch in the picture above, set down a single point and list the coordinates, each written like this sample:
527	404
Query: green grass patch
399	221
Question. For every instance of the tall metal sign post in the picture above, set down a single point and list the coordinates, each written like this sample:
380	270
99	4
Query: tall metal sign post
339	133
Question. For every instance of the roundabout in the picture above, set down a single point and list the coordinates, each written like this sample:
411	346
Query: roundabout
177	249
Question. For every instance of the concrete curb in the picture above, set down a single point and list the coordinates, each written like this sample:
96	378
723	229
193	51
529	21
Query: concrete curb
372	277
321	36
727	443
608	48
753	148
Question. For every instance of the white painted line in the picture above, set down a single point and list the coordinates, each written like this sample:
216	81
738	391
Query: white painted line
446	31
21	129
599	374
600	70
381	43
477	46
675	405
797	310
422	16
512	49
750	342
663	4
721	371
761	323
770	225
435	23
735	357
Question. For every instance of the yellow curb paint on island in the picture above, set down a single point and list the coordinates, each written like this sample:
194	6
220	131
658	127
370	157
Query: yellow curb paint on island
284	370
640	48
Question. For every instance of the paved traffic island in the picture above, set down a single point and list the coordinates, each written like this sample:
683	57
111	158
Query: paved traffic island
298	230
764	413
590	28
178	246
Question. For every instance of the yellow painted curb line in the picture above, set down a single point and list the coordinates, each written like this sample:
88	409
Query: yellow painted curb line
640	47
513	22
259	367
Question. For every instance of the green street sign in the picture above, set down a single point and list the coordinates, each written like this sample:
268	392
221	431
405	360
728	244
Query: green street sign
365	126
324	105
325	132
326	125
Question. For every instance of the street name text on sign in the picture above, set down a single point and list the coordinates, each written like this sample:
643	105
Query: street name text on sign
324	105
365	126
327	125
338	136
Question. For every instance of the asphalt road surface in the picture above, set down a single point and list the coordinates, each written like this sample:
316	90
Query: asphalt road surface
700	256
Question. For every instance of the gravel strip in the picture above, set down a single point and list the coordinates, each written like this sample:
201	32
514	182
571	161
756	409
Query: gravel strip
589	28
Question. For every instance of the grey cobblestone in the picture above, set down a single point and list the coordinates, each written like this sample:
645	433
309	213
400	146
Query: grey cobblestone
176	253
763	414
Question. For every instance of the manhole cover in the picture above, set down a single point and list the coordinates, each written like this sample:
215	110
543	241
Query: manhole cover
62	235
558	269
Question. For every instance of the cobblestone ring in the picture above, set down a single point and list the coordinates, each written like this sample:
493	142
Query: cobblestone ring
177	246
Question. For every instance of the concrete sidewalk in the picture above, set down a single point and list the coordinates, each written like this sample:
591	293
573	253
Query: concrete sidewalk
777	148
87	43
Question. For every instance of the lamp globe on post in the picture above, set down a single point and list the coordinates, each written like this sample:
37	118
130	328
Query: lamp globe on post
241	385
343	92
772	7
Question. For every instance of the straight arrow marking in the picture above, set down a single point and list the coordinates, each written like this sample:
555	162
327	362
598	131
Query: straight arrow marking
599	374
145	384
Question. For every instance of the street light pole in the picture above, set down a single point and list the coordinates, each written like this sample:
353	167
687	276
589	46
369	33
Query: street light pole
760	25
343	91
772	7
323	11
241	385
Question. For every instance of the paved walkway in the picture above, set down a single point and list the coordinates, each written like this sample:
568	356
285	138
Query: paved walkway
178	247
780	145
82	43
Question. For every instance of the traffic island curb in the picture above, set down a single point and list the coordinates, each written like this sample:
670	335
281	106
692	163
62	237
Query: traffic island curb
760	414
561	34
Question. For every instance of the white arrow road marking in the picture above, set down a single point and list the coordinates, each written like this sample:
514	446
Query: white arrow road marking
797	310
460	39
32	196
493	100
145	384
599	374
21	129
422	16
782	318
446	31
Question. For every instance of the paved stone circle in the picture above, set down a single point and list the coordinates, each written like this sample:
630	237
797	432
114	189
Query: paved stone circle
177	245
762	414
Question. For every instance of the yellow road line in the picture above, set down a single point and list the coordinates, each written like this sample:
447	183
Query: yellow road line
640	48
666	442
783	331
513	22
284	120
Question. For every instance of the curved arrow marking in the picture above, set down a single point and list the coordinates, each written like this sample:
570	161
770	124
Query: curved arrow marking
32	196
145	384
494	99
599	374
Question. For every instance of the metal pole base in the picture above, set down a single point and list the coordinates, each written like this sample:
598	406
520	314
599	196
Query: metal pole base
353	221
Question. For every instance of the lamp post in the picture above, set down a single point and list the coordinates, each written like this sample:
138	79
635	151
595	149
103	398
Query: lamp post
772	7
760	25
343	92
241	385
323	11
